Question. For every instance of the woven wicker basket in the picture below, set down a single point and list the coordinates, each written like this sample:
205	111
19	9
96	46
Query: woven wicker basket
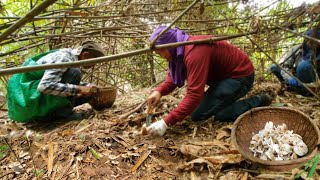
251	122
103	98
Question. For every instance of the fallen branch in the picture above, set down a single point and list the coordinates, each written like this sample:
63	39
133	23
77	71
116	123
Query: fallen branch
50	158
140	161
133	111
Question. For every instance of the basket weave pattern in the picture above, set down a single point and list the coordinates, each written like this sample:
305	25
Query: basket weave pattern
254	120
103	98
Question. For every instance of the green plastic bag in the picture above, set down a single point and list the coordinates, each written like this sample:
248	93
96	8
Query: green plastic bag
25	102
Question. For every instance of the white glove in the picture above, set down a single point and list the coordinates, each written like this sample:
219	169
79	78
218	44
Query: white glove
158	128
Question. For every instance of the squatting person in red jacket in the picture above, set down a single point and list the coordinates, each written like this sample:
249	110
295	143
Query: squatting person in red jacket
227	71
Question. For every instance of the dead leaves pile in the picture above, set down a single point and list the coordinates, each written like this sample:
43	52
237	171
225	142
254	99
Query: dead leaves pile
107	147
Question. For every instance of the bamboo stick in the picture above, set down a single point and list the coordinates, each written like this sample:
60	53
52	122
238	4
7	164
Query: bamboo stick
37	18
141	160
82	31
297	33
26	47
27	18
50	157
115	57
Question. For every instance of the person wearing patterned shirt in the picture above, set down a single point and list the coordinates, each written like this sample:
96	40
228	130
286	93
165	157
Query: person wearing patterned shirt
55	92
227	71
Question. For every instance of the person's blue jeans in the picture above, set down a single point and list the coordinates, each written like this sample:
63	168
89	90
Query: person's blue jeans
277	72
305	72
221	100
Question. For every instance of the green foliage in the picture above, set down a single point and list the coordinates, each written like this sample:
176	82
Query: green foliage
3	150
94	153
309	167
39	172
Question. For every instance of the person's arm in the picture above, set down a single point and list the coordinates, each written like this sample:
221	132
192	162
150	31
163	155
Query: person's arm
166	87
50	82
197	63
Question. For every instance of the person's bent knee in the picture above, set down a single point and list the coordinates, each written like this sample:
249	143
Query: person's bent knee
304	66
305	72
75	73
223	118
273	67
199	116
72	76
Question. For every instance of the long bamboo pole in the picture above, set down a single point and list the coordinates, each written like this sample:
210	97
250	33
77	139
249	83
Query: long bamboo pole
28	17
115	57
297	33
37	18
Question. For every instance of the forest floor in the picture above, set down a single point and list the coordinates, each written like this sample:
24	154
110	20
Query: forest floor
106	146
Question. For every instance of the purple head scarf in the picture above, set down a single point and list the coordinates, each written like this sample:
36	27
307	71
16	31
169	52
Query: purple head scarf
176	66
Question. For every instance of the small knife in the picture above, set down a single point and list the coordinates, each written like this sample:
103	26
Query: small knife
149	115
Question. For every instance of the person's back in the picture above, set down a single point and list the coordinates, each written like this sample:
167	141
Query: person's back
25	102
222	59
292	57
54	92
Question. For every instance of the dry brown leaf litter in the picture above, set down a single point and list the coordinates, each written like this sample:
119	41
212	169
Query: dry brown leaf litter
61	149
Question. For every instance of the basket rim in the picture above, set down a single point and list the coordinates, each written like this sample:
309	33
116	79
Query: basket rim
267	162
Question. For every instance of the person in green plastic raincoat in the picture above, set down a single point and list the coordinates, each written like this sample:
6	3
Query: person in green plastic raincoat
53	93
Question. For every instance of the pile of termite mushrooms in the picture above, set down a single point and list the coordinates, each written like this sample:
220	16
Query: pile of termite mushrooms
277	143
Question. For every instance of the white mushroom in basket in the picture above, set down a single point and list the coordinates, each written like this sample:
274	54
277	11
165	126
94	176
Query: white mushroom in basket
277	143
300	148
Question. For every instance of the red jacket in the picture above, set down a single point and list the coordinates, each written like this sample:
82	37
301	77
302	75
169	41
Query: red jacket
205	63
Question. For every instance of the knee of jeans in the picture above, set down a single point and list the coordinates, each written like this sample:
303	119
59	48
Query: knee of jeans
63	111
75	72
235	90
220	117
273	67
199	116
304	66
72	76
223	118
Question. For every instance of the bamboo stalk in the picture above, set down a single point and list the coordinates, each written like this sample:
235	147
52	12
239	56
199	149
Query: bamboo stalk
27	18
297	33
37	18
84	31
26	47
115	57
